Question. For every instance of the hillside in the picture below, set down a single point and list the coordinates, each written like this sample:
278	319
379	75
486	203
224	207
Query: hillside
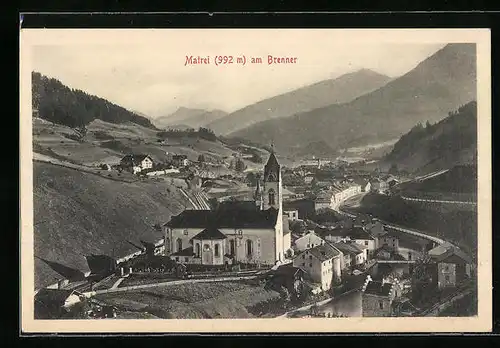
189	117
60	104
340	90
452	141
108	142
440	83
446	221
460	180
77	213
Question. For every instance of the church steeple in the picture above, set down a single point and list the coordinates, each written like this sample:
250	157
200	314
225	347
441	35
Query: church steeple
272	197
272	169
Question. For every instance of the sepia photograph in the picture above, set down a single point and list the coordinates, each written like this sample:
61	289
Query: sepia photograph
288	180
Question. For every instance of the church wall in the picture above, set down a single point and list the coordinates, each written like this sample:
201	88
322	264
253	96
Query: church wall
262	243
185	234
208	256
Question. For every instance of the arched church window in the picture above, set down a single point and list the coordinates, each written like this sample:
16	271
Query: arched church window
271	177
206	247
271	197
198	250
179	244
216	250
249	247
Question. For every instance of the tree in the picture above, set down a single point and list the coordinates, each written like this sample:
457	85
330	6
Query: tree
423	280
240	165
393	169
284	296
256	158
251	178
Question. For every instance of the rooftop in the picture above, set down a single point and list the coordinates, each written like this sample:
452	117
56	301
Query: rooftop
378	288
52	297
210	233
184	252
225	218
349	248
323	252
135	158
358	232
449	253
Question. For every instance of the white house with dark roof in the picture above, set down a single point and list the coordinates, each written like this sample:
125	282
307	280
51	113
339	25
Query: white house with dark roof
254	234
136	163
378	297
322	263
307	241
452	265
353	254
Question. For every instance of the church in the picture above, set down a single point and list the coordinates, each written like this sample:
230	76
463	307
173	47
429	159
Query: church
249	232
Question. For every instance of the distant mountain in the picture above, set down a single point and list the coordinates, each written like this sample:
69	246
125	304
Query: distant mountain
448	143
318	149
189	117
339	90
60	104
440	83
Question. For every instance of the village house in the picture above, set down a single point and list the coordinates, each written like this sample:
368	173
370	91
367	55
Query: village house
390	241
334	235
54	303
378	297
364	184
308	178
292	215
378	185
136	163
380	235
308	241
452	265
180	161
323	201
254	234
335	193
322	263
360	236
305	207
286	276
354	254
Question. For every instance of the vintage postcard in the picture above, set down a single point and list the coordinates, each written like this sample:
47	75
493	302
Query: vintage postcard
243	180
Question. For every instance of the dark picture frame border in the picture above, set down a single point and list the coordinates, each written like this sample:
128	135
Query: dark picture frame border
270	20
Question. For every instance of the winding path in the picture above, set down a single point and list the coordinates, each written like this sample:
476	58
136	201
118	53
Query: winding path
437	201
389	225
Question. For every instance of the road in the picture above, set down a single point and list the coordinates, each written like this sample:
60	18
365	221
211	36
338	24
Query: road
436	201
355	202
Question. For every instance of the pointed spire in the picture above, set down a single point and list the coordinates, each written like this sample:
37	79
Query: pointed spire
257	190
272	147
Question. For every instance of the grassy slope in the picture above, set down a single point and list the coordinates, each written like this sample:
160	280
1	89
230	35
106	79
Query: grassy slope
76	213
194	301
120	139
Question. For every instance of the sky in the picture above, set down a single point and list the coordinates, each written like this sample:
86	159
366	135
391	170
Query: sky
150	76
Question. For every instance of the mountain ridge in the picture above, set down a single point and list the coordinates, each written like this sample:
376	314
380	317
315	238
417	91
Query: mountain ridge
337	90
441	82
445	144
58	103
189	117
